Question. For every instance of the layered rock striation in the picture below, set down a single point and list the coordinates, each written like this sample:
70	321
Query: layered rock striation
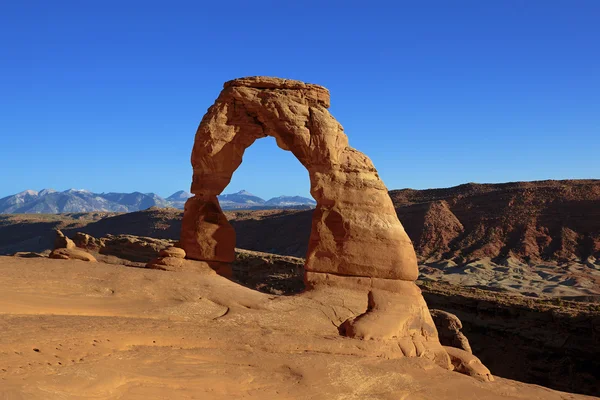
355	230
356	239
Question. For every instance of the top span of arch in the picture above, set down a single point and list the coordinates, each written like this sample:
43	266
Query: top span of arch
313	92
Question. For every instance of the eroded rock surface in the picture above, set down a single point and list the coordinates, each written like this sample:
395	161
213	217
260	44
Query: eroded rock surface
65	249
133	248
72	254
72	331
355	230
449	330
356	239
63	242
85	241
466	363
169	259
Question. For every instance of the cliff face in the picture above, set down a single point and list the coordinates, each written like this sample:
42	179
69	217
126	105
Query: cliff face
552	343
533	221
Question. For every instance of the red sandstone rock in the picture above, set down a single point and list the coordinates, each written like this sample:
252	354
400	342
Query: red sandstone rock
355	230
449	330
468	364
172	252
63	242
166	263
356	238
72	254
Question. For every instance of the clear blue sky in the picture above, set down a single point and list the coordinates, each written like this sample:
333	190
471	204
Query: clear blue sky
107	95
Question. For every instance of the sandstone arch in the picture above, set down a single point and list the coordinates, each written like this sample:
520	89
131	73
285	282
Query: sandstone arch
355	230
356	239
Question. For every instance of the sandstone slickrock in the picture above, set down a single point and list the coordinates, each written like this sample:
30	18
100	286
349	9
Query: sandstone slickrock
356	238
142	334
72	254
397	311
166	263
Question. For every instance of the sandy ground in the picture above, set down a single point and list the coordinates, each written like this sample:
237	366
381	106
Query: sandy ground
76	330
566	280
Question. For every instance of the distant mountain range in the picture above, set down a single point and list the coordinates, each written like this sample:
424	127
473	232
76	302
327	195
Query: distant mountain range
50	201
244	199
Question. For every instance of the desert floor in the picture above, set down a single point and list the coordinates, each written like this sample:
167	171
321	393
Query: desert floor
76	330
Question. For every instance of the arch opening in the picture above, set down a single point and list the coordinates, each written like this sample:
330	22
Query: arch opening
354	228
277	227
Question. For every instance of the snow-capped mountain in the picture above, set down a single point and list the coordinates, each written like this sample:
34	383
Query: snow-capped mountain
50	201
181	195
17	200
288	201
179	198
241	199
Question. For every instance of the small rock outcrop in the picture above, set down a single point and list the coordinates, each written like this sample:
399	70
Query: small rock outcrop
63	242
72	254
175	252
466	363
169	259
88	242
449	330
65	249
133	248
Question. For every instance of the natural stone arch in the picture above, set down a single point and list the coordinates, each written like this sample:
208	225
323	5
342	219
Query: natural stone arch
356	242
355	230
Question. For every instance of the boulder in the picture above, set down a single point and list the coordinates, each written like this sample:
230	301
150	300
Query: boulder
88	242
63	242
175	252
166	263
466	363
133	248
397	311
72	254
449	330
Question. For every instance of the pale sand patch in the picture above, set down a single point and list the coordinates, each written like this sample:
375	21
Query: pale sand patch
569	279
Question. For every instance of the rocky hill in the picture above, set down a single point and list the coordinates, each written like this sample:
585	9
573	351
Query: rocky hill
529	221
532	221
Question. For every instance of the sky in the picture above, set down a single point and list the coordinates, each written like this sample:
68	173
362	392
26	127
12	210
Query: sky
107	95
